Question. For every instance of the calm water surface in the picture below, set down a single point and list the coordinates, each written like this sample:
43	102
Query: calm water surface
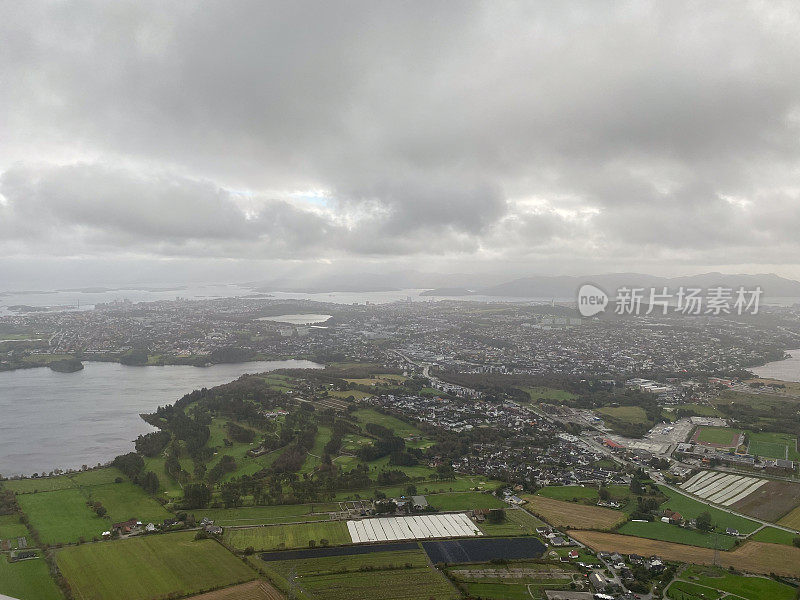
54	420
785	370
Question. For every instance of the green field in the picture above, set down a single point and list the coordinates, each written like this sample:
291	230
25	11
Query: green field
401	428
343	564
684	590
42	484
424	583
690	509
62	516
97	477
464	501
772	535
773	445
498	591
264	515
569	492
548	394
272	537
126	501
149	567
462	483
517	522
724	436
750	588
11	527
656	530
28	580
626	414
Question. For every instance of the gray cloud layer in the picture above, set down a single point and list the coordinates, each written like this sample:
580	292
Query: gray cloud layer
540	133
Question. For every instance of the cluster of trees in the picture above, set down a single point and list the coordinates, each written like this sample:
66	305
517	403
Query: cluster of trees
152	444
386	442
132	465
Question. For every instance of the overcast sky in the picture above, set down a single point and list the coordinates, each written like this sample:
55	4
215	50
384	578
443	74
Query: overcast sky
237	139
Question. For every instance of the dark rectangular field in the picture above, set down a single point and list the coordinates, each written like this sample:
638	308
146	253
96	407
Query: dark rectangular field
337	551
483	550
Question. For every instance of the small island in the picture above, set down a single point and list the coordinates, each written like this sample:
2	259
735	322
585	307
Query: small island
67	365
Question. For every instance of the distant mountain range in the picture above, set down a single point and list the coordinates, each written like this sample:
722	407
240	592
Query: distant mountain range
538	286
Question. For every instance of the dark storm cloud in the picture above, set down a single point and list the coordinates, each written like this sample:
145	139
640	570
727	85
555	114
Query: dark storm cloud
533	131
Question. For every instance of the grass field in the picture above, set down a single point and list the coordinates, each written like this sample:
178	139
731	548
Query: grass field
517	522
721	436
498	591
462	483
772	535
149	567
128	501
403	575
569	514
63	482
265	515
690	509
657	530
773	445
62	516
685	590
298	535
586	495
792	519
401	428
750	588
10	527
754	557
626	414
464	501
548	394
42	484
27	580
253	590
569	492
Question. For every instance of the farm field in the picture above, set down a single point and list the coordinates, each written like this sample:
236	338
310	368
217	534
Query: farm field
272	537
27	580
464	501
771	502
498	590
691	508
686	590
259	515
570	514
128	501
750	588
754	557
349	563
569	492
518	522
792	519
254	590
61	516
656	530
462	483
175	564
423	583
772	535
396	575
41	484
10	527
